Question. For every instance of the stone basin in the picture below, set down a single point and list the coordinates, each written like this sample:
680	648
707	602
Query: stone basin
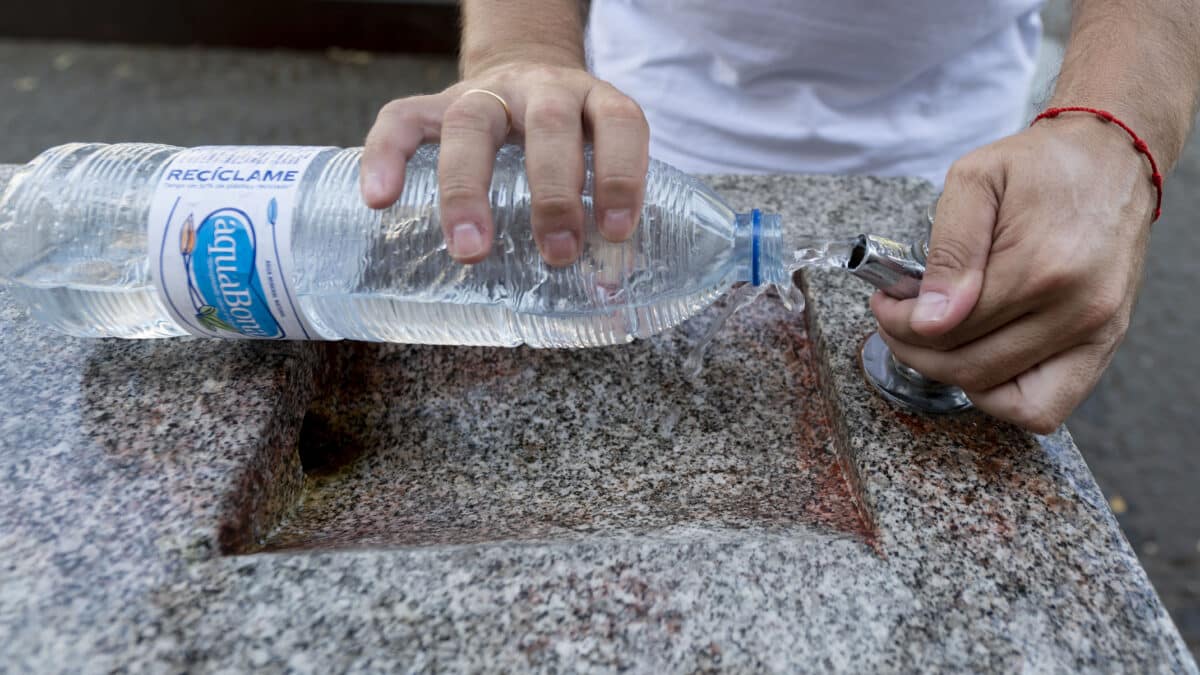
193	505
419	445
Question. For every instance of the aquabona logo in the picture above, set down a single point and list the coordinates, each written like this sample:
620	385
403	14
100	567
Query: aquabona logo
223	282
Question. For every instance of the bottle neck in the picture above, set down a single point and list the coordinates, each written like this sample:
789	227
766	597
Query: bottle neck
758	248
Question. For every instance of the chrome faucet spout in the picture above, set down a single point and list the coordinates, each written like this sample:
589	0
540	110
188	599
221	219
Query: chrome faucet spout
893	267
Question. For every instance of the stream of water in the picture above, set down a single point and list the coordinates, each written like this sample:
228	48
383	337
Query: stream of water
832	254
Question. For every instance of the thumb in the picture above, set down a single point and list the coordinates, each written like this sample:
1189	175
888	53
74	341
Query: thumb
958	247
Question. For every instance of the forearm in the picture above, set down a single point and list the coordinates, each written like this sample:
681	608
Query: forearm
1139	59
542	31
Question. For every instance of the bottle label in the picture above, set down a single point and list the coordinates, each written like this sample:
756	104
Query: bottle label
221	241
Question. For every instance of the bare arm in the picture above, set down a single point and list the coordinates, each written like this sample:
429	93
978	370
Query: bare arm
548	32
1139	59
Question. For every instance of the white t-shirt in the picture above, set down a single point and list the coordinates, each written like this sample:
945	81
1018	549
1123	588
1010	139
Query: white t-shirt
819	86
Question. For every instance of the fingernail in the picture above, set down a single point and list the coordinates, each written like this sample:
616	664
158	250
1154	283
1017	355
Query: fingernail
466	241
931	306
374	184
561	247
618	223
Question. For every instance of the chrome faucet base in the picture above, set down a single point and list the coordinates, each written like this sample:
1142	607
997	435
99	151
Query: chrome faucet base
906	387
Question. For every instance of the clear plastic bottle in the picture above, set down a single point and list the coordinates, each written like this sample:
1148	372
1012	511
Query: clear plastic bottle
73	247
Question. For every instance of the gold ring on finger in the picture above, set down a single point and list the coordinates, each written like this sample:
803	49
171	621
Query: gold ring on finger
508	122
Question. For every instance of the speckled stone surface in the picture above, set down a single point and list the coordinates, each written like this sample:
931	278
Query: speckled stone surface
154	514
746	443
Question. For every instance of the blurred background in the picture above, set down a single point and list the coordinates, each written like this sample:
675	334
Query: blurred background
316	72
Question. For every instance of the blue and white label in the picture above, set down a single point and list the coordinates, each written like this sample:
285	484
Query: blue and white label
221	241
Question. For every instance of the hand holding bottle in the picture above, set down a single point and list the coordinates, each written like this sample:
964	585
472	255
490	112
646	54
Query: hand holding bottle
553	110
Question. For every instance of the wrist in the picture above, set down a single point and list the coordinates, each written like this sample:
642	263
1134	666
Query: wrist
1108	155
1163	138
481	59
540	32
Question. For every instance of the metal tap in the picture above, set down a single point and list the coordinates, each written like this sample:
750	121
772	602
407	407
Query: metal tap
897	269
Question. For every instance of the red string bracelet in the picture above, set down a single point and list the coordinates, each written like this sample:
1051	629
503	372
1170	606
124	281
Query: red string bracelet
1138	144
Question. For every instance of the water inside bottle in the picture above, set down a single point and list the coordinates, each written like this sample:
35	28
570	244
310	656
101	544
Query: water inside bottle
92	297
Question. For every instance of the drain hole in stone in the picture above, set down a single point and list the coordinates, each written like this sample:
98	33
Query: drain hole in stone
325	447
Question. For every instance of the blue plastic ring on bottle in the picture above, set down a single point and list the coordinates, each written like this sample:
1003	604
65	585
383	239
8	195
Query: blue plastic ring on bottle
755	237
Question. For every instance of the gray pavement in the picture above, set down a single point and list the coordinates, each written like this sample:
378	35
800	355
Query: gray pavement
1136	431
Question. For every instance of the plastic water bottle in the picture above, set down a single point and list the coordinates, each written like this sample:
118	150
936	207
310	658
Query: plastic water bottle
277	243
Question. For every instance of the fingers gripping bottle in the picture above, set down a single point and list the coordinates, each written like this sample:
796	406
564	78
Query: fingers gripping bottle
147	241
